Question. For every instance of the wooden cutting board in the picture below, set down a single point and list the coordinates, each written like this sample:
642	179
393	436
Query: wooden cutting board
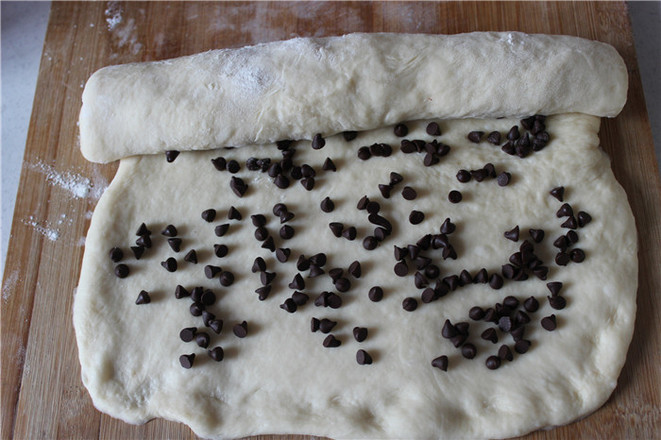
42	393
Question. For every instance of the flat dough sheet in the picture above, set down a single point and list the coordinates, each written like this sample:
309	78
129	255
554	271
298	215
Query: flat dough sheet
280	378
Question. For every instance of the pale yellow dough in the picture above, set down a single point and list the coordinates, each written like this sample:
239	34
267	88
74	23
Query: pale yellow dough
280	378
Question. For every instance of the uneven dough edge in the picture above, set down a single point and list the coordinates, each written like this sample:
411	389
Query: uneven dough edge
293	89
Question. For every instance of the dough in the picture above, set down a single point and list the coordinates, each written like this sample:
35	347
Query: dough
281	378
294	89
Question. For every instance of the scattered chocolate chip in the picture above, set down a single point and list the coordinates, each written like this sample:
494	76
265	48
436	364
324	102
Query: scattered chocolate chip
370	243
349	135
363	357
562	259
570	223
493	362
364	153
522	346
220	250
342	284
261	233
191	256
565	211
318	142
234	214
433	129
315	271
211	271
583	218
263	292
504	353
300	298
286	232
116	254
240	330
221	230
202	339
233	166
266	277
504	178
298	283
138	251
175	244
476	313
448	331
513	234
409	304
490	335
494	137
395	178
385	190
441	363
331	342
196	309
349	233
209	215
531	304
289	305
187	334
226	278
282	254
327	205
217	354
572	237
475	136
495	281
463	176
577	255
513	134
121	271
308	183
537	235
549	323
238	186
409	193
143	298
416	217
328	165
375	294
336	228
186	360
180	292
170	264
454	196
171	155
144	241
558	193
355	269
326	325
401	269
468	351
557	302
269	244
401	130
219	163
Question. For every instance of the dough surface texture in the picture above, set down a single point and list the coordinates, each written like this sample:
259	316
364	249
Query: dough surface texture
296	88
280	378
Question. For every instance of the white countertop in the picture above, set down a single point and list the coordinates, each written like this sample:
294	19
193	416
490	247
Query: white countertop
24	29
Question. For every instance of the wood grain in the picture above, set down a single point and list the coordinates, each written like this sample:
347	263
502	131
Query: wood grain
42	394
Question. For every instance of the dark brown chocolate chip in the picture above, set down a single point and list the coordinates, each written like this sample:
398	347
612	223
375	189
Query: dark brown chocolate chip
207	316
143	298
454	196
233	166
504	353
336	228
314	324
211	271
220	250
289	305
331	342
297	283
308	183
416	217
513	234
407	146
261	233
570	223
463	176
219	163
286	232
431	271
328	165
561	243
266	278
209	215
370	243
116	254
284	144
521	318
170	264
282	254
522	346
216	325
448	331
349	135
505	323
315	271
409	193
468	351
375	294
234	214
187	334
504	178
318	142
180	292
171	155
187	360
395	178
281	181
216	353
259	265
202	339
385	190
319	259
537	235
475	136
226	278
401	130
401	269
363	357
490	335
138	251
263	292
476	313
565	211
362	203
326	325
221	230
511	301
364	153
355	269
572	237
143	230
433	129
558	193
481	277
495	281
191	257
269	244
302	263
531	304
441	363
238	186
549	323
493	362
258	220
557	302
349	233
333	300
577	255
196	309
144	241
513	134
279	208
583	218
494	137
175	244
327	205
562	259
342	284
240	330
300	298
336	273
479	175
409	304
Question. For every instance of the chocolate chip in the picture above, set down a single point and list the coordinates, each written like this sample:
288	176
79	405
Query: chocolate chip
266	277
216	353
143	298
349	233
475	136
495	281
116	254
331	342
513	134
219	163
463	176
362	203
191	257
282	254
187	360
297	283
558	193
327	205
138	251
234	214
308	183
494	137
220	250
401	130
522	346
409	304
196	309
572	237
562	259
557	302
284	144
263	292
281	181
336	228
233	166
289	305
300	298
269	244
504	178
209	215
171	155
364	153
583	218
565	211
441	363
187	334
326	325
468	351
375	294
505	323
409	193
570	223
432	271
476	313
240	330
355	269
342	284
328	165
318	142
537	235
577	255
448	331
433	129
513	234
493	362
279	208
479	175
416	217
334	300
531	304
238	186
370	243
315	271
454	196
549	323
363	357
505	353
202	339
286	232
226	278
211	271
144	241
221	230
401	269
380	233
490	335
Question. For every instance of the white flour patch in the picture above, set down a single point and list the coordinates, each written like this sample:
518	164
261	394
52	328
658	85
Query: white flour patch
81	242
99	183
9	286
43	228
113	15
76	184
123	31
